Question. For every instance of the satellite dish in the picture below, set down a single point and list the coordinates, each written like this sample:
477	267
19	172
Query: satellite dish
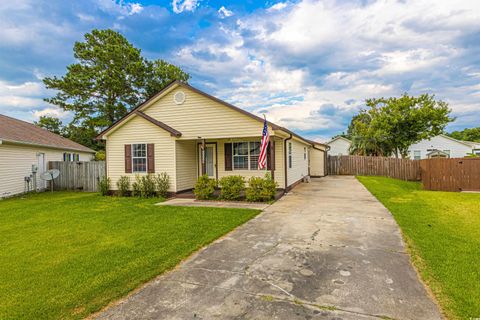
49	175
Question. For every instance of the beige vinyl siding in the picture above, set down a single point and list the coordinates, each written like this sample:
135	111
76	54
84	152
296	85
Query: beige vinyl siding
317	162
187	168
16	163
299	164
200	116
139	130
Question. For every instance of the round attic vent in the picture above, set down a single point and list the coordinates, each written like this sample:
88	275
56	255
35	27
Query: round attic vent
179	97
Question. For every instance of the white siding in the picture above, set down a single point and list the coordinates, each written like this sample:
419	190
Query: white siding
16	163
139	130
339	147
457	149
299	167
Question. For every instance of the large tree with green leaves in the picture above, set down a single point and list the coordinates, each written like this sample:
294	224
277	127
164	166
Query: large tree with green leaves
467	134
109	78
50	123
392	125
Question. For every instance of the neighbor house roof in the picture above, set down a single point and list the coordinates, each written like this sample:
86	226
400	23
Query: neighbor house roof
339	137
177	133
21	132
467	143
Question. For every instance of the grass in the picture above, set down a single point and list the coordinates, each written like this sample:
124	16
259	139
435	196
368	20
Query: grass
442	231
66	255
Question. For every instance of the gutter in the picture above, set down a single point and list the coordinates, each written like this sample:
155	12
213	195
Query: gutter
285	158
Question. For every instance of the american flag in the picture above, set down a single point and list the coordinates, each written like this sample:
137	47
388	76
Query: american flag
262	159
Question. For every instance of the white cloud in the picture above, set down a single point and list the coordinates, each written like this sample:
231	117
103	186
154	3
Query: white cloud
120	7
52	112
224	12
278	6
294	58
180	6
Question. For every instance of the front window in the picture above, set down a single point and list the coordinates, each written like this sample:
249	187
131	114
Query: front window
245	155
139	157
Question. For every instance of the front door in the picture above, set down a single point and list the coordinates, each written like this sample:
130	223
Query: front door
208	160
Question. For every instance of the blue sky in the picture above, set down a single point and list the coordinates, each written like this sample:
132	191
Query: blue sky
308	65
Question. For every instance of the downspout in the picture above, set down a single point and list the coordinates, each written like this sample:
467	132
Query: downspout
285	158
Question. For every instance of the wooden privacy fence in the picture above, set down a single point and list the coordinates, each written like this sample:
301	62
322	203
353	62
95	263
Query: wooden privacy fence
78	175
458	174
404	169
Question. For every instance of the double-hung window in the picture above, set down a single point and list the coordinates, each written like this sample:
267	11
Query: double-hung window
290	155
245	155
139	157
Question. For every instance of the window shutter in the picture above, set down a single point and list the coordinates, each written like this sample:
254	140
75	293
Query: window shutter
128	158
228	156
271	155
151	158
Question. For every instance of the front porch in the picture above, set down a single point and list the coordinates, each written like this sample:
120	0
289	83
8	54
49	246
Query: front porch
222	157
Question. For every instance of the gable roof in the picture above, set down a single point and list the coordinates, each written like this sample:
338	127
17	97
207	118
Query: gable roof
467	143
173	132
21	132
339	137
176	83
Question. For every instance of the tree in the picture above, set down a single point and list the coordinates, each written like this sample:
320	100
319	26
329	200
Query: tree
392	125
467	134
50	123
109	78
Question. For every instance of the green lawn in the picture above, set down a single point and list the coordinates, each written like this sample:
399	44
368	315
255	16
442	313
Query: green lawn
442	230
66	255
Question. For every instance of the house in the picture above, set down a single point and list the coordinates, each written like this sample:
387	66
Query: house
441	146
23	146
186	133
339	146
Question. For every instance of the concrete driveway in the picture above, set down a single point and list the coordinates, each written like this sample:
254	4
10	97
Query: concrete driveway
327	250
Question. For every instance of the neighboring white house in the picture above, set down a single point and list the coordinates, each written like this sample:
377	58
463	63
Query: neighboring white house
24	145
339	146
442	146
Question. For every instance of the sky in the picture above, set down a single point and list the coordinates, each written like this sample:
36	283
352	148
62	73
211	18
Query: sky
307	65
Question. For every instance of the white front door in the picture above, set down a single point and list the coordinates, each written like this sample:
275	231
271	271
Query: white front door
41	184
208	160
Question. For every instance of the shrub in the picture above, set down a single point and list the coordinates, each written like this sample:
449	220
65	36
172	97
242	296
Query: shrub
104	186
204	188
100	156
231	186
162	181
123	184
136	186
147	186
261	189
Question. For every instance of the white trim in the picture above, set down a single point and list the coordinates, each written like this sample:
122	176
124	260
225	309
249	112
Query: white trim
146	158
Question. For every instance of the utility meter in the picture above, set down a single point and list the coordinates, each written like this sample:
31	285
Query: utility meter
34	168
